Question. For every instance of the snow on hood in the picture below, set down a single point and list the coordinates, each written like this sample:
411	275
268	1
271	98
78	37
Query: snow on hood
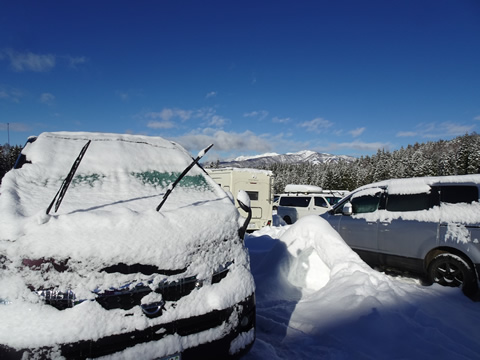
108	214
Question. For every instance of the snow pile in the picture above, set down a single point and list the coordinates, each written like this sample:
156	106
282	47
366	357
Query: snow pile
316	299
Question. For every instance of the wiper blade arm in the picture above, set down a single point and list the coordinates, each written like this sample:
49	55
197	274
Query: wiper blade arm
57	200
172	186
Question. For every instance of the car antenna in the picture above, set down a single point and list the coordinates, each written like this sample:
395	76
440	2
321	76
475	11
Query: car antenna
172	186
63	189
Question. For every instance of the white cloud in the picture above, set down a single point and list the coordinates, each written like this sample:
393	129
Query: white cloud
406	134
477	118
47	98
15	127
168	117
260	115
160	124
357	132
434	130
211	94
217	121
10	94
317	125
278	120
224	141
362	146
123	95
73	62
28	61
167	114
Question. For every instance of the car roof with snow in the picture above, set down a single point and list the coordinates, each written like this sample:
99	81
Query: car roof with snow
419	185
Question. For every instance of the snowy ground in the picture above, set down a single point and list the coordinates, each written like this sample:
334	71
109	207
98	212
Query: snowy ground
317	300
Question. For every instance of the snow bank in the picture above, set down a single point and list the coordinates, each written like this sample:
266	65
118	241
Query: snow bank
317	299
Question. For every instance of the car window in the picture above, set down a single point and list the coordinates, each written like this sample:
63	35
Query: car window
455	194
366	203
320	201
297	201
411	202
332	200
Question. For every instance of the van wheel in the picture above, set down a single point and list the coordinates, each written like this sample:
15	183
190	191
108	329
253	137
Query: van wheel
287	220
451	270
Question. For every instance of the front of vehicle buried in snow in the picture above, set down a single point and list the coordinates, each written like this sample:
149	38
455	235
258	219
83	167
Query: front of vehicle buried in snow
107	275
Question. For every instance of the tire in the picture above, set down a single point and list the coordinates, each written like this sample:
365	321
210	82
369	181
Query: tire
451	270
287	220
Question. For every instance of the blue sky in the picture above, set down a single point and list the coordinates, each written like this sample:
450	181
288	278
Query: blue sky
342	77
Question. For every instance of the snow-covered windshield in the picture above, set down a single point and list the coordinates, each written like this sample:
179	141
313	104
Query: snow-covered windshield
111	202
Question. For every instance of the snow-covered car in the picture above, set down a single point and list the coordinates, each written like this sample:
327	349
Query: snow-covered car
108	257
302	200
429	226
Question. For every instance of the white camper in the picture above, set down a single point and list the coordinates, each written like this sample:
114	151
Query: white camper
258	184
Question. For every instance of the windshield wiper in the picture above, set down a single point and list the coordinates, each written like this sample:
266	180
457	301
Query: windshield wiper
57	200
172	186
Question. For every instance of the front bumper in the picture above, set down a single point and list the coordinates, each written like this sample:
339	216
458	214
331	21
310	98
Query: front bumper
238	321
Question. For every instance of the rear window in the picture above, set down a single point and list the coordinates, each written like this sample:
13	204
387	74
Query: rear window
253	195
411	202
458	194
297	201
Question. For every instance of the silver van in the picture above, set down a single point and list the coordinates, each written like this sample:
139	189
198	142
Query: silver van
429	226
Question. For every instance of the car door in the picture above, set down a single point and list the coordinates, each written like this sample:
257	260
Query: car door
359	230
319	205
408	229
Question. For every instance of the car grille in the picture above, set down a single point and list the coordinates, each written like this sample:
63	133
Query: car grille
130	295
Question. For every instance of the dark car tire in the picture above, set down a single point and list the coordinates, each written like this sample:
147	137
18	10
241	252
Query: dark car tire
451	270
287	220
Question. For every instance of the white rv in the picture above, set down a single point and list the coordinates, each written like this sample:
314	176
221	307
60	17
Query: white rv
258	184
302	200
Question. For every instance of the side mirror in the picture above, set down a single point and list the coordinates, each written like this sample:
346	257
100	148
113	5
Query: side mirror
244	202
347	209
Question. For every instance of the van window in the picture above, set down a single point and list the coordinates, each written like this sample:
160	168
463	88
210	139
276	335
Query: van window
320	201
297	201
332	200
458	194
253	195
365	204
411	202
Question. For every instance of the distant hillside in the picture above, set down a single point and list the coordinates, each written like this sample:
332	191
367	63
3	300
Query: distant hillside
302	157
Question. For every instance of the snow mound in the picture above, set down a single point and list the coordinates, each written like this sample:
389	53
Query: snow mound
316	299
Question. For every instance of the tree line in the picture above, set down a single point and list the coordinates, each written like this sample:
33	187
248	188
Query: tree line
8	156
459	156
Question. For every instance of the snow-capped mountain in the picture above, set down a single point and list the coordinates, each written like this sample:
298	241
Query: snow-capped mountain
305	156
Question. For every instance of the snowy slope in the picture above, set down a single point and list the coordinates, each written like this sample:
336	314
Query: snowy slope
316	299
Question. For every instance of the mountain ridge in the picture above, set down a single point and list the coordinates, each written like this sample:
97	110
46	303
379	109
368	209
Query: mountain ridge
301	157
